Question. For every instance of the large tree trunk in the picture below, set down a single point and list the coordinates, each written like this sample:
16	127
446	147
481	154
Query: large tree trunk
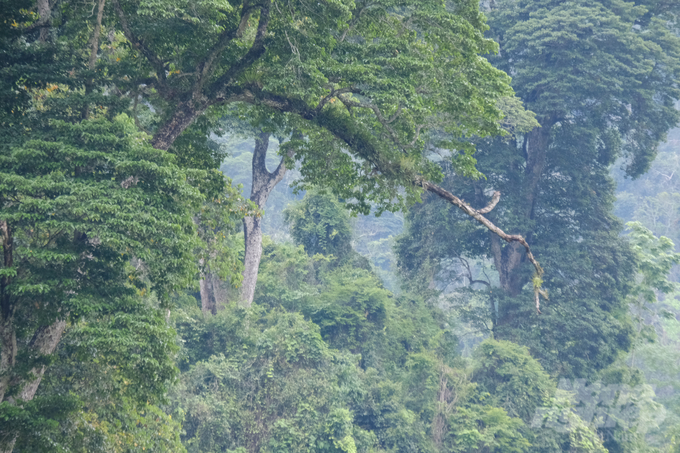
251	264
208	303
508	262
509	259
264	182
184	115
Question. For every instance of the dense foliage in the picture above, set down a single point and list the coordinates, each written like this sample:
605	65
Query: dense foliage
126	132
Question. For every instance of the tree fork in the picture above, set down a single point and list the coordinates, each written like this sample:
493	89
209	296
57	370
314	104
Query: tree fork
264	182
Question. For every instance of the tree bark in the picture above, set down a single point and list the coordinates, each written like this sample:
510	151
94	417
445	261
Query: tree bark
208	304
507	261
184	115
45	13
251	264
93	55
213	296
264	182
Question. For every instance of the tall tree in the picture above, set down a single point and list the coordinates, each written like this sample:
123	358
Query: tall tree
91	216
596	75
601	78
77	206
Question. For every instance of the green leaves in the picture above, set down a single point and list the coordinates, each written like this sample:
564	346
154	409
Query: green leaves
654	259
279	389
320	224
515	380
582	62
94	219
101	180
364	82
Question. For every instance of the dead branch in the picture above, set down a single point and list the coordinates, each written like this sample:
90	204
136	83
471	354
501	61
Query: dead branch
477	215
492	204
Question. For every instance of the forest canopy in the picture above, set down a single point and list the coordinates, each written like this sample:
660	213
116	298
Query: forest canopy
316	226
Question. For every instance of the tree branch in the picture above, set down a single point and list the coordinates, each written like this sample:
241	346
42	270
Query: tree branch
255	52
467	209
332	94
363	145
204	68
366	149
466	264
492	204
139	44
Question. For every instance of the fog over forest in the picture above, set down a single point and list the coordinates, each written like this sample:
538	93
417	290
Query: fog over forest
340	226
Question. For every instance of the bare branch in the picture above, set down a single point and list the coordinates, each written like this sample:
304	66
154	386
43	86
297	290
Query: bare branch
467	209
469	272
492	204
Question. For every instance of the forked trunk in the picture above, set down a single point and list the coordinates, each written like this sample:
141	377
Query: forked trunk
264	182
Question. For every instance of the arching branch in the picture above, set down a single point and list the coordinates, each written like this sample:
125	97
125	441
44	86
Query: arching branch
367	150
